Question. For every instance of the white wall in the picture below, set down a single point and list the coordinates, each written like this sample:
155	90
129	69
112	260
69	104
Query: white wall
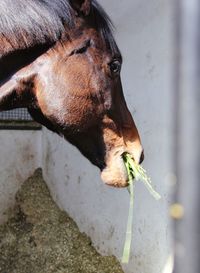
20	155
144	37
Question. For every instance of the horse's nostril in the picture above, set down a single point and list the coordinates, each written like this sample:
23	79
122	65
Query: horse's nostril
141	157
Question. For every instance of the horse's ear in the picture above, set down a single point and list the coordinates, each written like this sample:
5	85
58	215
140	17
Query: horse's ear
16	92
82	6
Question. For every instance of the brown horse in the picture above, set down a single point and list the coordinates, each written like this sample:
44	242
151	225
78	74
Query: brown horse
59	59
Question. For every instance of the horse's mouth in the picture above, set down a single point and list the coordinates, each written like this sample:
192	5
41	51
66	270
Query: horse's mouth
115	173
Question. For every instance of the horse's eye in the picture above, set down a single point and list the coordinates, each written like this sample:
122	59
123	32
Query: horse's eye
115	67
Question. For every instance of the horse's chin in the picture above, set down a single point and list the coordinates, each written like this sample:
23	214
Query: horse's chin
115	174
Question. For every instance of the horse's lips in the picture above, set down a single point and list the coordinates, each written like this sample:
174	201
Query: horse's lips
115	173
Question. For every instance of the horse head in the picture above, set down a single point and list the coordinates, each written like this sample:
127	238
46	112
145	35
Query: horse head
75	89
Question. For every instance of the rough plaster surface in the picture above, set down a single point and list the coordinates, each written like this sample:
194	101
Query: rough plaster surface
20	155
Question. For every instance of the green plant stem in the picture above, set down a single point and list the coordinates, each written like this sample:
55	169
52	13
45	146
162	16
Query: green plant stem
136	172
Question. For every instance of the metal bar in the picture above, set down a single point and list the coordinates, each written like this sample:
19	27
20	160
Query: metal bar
19	125
187	136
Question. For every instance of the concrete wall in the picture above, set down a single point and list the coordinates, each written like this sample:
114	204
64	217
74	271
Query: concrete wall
144	37
20	155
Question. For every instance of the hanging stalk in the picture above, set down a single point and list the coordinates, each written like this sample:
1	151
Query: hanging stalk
135	172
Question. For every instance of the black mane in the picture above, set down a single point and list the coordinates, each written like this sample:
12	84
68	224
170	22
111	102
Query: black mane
43	21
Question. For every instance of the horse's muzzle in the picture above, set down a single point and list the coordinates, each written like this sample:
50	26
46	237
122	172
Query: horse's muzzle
115	174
